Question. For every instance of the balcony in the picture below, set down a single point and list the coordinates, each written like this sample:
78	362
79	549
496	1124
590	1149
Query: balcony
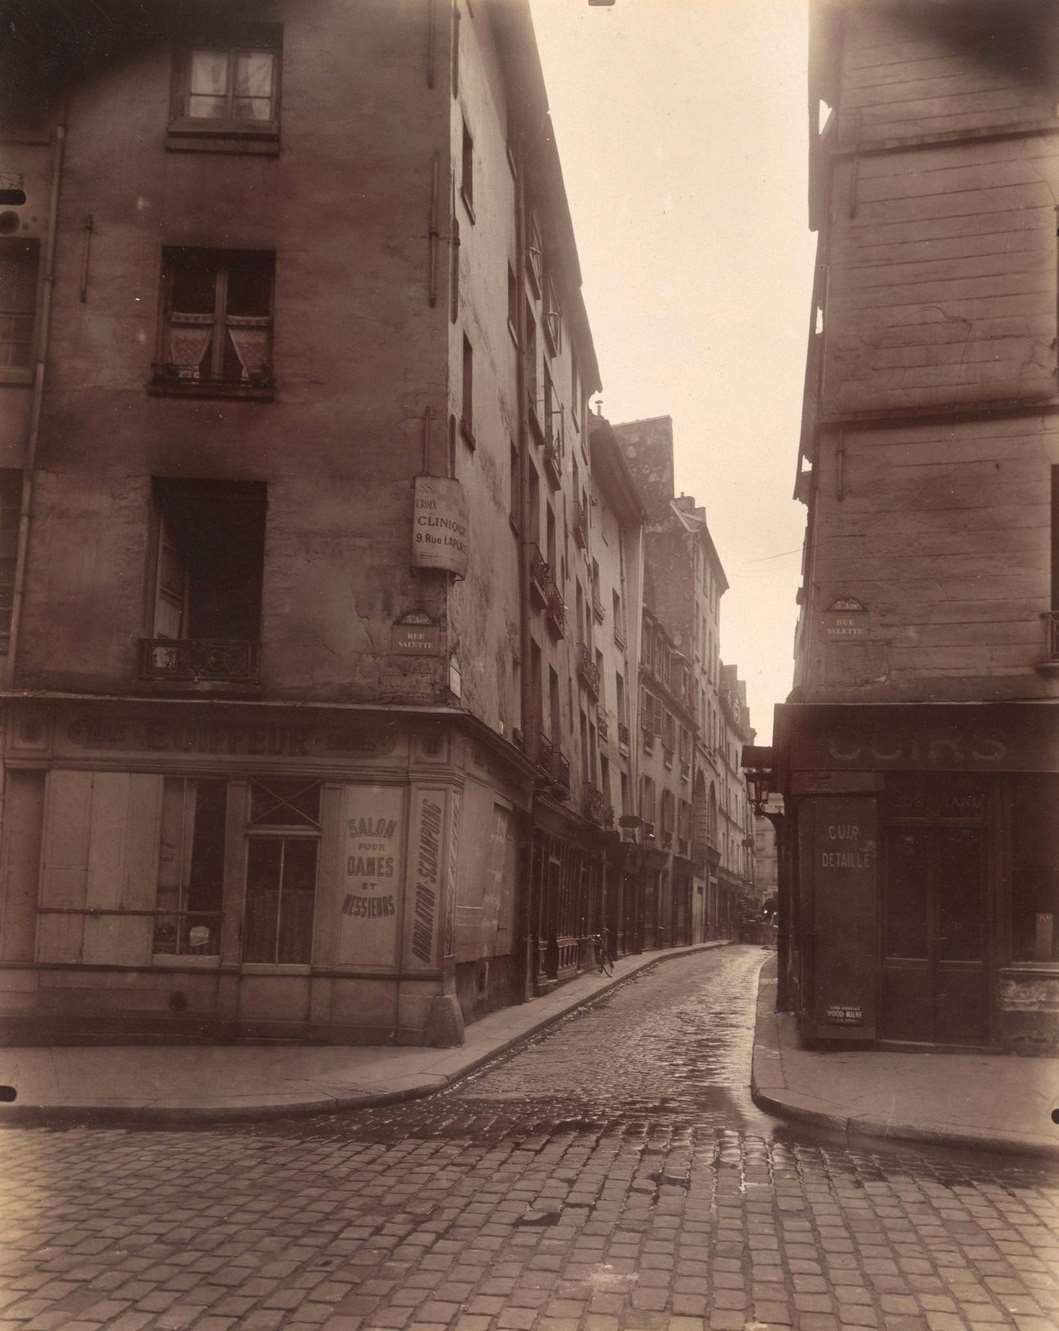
619	633
555	612
602	724
553	465
200	661
648	740
562	773
597	607
540	577
536	429
580	525
587	670
666	839
598	809
545	753
623	739
685	769
667	757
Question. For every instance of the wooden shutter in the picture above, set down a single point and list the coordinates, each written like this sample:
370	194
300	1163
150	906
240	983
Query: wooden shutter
100	852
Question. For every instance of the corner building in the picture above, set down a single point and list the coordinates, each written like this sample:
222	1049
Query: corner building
919	751
293	372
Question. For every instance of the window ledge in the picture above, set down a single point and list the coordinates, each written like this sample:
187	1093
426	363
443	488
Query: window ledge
276	968
178	961
175	388
222	136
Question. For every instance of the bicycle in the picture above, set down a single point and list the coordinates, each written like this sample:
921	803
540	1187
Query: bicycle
604	961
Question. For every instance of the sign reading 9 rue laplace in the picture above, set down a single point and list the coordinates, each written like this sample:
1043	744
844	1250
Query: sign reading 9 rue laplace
439	525
372	823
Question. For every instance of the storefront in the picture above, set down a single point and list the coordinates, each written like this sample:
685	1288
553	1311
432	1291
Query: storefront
924	873
207	870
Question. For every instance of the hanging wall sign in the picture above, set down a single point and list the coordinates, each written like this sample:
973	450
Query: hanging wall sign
439	525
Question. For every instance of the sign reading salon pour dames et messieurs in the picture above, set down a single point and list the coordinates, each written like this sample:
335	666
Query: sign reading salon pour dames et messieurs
370	875
439	525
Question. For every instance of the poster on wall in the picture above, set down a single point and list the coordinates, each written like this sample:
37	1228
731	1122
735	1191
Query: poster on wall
372	826
426	880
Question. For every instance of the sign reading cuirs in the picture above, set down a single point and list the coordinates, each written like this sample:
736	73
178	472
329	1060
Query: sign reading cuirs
439	525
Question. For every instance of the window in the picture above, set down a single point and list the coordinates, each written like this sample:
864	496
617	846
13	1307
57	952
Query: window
217	322
514	489
576	390
467	405
208	560
18	301
553	319
534	255
512	304
226	94
283	844
553	415
191	867
532	382
467	170
1035	869
10	506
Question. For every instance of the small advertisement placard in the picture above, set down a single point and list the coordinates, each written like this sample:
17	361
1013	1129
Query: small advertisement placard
439	525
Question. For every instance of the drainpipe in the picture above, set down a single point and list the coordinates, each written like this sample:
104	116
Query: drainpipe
36	410
522	435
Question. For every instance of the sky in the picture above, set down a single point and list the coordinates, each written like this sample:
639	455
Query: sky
681	126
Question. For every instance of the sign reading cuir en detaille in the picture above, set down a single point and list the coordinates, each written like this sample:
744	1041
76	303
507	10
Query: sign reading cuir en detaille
439	525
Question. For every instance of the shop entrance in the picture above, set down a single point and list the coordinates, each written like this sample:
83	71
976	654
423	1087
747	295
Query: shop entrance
934	976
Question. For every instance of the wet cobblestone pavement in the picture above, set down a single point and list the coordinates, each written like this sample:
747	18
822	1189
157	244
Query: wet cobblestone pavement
613	1174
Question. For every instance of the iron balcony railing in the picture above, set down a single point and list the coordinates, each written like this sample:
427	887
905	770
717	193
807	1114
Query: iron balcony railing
190	660
598	808
556	610
587	670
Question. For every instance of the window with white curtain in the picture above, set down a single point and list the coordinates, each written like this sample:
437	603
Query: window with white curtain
217	326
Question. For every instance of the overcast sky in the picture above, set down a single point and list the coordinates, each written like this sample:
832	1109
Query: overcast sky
681	126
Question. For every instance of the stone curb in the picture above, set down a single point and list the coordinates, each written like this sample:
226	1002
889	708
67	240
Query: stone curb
31	1116
770	1092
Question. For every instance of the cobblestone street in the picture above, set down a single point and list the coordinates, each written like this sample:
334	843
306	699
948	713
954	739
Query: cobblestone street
613	1174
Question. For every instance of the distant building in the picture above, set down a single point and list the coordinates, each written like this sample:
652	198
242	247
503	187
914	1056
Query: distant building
693	713
919	752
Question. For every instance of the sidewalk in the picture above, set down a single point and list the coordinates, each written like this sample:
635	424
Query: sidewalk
986	1101
180	1084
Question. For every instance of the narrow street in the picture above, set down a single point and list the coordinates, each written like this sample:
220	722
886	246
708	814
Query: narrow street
612	1174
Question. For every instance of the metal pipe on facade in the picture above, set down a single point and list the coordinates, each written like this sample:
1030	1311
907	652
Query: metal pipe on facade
37	406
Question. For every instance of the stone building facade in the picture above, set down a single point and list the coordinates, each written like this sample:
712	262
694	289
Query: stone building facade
693	717
293	369
919	752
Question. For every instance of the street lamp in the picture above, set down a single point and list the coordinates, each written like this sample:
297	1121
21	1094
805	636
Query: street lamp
759	766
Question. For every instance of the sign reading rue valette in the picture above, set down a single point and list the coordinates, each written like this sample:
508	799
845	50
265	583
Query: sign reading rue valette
845	620
439	525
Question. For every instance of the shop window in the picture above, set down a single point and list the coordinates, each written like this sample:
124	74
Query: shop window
226	93
1035	870
216	333
19	260
283	845
191	867
207	570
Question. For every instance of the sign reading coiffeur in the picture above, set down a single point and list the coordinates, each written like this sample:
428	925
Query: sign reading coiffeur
439	525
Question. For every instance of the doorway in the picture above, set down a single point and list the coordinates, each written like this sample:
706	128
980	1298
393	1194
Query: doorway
934	972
